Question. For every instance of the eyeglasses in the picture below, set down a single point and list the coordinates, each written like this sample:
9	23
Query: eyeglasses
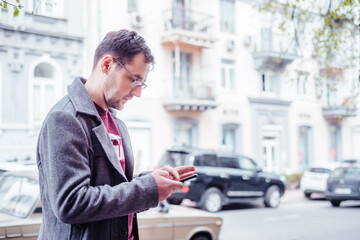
136	83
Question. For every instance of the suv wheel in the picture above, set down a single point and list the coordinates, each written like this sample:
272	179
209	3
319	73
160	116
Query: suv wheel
212	200
272	197
335	203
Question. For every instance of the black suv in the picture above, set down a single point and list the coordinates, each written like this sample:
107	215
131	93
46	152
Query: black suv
223	178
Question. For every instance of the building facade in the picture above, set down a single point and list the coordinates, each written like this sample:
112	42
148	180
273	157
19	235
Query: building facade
225	78
39	54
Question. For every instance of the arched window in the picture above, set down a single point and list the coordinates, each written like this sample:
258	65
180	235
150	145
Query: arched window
44	91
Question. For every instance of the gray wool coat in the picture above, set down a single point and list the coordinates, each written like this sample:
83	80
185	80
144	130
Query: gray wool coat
85	193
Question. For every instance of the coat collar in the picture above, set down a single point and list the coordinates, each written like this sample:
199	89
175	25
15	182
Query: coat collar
80	97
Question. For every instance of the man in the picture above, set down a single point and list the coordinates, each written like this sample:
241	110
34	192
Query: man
84	153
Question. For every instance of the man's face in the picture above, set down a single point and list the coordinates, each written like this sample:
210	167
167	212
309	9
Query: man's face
117	90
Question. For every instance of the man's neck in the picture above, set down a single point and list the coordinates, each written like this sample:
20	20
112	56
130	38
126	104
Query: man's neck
95	90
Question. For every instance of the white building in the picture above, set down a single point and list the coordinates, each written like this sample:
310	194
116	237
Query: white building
224	78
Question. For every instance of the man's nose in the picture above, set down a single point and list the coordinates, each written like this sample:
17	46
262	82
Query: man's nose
137	91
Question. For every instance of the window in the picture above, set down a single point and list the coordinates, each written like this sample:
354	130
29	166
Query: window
331	92
185	132
228	162
227	74
183	87
305	143
335	142
18	195
270	84
227	16
247	164
356	142
230	138
51	8
181	15
132	6
44	93
301	84
207	160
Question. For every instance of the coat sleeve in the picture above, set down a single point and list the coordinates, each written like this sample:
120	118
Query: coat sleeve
65	177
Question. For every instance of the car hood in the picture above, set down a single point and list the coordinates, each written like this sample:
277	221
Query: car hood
8	220
180	211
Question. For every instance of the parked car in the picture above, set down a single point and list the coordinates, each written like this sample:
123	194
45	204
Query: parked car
21	214
343	184
314	180
20	206
223	178
17	166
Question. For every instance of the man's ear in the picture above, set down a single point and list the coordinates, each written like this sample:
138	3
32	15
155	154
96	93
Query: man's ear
105	63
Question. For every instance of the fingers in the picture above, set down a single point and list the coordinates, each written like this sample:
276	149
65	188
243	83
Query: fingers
165	185
173	174
186	175
185	169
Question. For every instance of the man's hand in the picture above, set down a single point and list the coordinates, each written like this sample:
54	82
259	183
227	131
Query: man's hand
179	172
167	179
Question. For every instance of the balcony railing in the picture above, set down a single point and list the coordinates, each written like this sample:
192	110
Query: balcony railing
188	27
188	20
274	50
189	94
339	112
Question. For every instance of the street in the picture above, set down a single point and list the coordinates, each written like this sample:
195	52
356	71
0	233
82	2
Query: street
297	218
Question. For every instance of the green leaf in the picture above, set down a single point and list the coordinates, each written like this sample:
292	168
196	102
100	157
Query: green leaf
5	5
18	1
16	12
327	20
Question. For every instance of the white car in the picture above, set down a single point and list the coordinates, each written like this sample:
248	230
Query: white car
21	214
314	180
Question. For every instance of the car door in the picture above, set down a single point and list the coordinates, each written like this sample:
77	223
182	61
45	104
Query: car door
232	175
244	181
155	223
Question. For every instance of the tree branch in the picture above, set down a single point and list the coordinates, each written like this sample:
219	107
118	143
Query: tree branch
9	3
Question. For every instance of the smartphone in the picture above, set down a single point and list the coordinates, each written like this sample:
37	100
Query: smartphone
188	178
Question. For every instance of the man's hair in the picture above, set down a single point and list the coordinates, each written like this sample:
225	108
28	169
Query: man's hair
123	45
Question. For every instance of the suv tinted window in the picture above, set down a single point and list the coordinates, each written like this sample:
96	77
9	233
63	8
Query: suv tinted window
208	160
174	159
247	164
228	162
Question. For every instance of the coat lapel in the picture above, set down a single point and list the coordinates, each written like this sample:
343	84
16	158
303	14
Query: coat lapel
104	139
129	158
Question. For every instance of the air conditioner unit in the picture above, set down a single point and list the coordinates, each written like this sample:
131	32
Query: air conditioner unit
136	20
230	45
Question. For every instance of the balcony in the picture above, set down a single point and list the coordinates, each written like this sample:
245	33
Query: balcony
274	51
188	28
189	95
339	112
